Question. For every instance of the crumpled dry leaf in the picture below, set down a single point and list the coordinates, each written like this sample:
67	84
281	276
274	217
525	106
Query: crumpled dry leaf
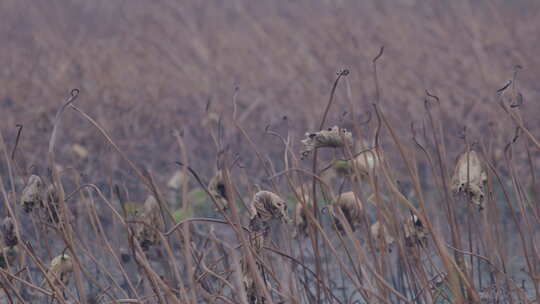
217	189
415	233
211	118
61	268
334	137
366	162
267	205
380	233
469	178
32	194
351	206
79	150
147	234
175	182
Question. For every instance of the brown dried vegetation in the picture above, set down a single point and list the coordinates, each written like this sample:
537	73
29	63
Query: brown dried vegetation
334	137
381	234
32	194
470	177
267	205
138	65
219	191
148	224
415	232
352	208
61	269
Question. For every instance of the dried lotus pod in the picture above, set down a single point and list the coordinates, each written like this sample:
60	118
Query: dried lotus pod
267	205
147	232
32	193
61	269
217	189
334	137
469	177
415	233
380	233
469	169
8	232
352	209
8	255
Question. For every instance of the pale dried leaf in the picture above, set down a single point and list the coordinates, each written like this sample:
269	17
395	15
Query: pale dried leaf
80	151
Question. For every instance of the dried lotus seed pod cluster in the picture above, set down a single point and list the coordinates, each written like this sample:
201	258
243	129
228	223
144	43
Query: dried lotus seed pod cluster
334	137
267	205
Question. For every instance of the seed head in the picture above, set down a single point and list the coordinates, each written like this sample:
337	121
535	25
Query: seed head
334	137
32	193
267	205
61	269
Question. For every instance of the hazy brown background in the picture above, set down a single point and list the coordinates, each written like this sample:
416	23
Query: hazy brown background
145	68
